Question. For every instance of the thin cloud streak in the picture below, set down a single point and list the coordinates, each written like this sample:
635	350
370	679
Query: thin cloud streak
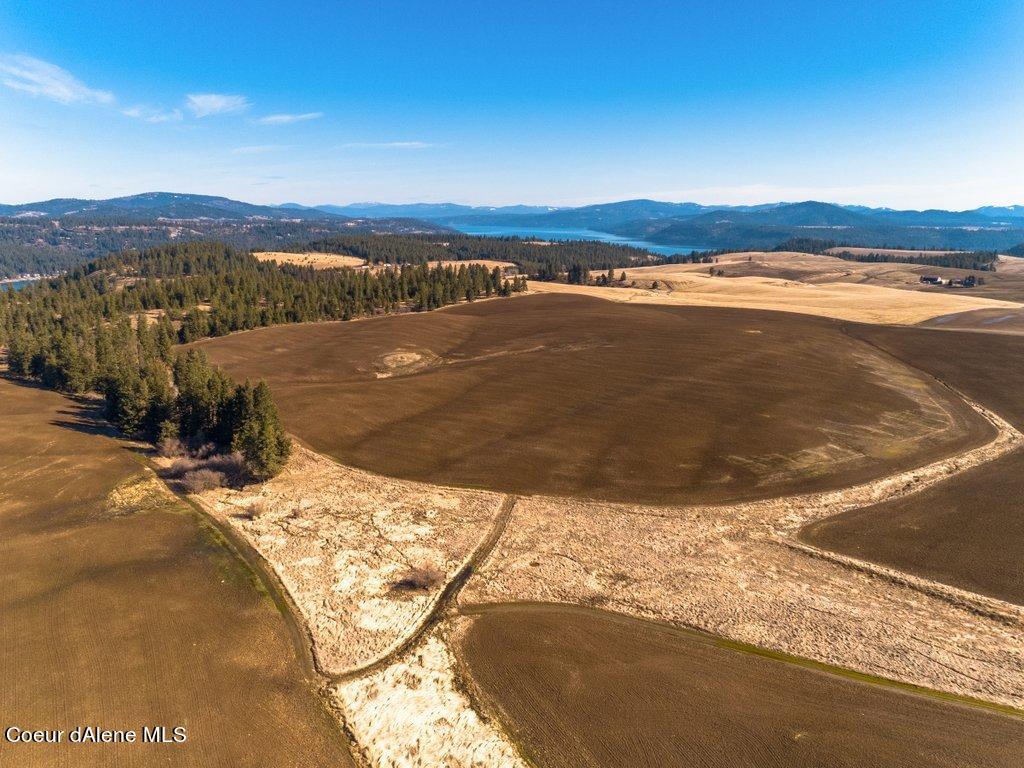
207	104
41	78
150	115
288	119
386	145
259	149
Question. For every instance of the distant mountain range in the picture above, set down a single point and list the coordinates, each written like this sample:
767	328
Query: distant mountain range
174	205
421	210
745	226
153	205
692	224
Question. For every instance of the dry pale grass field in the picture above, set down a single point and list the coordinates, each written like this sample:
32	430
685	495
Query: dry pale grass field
414	713
343	542
681	285
822	268
1006	283
587	689
120	609
314	260
574	396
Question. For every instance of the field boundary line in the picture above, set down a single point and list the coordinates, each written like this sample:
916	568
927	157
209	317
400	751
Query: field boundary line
1006	613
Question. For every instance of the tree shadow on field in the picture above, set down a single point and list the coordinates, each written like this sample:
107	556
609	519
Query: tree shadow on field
84	414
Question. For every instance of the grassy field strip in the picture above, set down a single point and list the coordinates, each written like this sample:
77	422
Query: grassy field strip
722	569
337	538
439	603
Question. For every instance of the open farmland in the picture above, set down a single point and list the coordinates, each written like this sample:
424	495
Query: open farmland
584	688
683	285
968	532
314	260
574	396
120	609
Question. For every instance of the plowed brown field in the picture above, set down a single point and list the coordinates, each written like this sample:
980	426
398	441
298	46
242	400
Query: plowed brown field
571	395
968	532
120	609
582	688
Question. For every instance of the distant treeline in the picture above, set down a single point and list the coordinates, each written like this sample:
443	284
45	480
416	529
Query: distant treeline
540	260
984	261
88	331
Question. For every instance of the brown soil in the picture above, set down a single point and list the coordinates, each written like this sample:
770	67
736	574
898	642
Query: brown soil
574	396
582	688
119	608
987	320
968	532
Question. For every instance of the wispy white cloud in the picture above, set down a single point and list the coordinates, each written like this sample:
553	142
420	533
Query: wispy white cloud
386	145
41	78
286	119
206	104
151	115
259	149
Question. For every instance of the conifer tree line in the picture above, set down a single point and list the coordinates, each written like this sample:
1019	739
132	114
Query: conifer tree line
112	326
983	261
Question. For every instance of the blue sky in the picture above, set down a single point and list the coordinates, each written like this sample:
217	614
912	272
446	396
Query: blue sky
908	104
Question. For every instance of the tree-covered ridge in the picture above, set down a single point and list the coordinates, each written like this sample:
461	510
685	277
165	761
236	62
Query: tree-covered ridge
984	261
111	326
47	245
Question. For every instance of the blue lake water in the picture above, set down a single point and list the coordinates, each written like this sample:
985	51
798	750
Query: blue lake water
574	234
15	285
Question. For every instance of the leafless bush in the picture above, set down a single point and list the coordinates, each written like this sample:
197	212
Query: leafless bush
231	465
256	510
170	448
183	465
199	480
419	578
204	451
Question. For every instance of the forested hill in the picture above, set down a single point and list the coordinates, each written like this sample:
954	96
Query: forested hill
111	327
47	245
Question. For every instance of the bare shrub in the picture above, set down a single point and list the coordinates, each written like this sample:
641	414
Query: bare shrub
256	510
419	578
204	451
231	465
180	466
199	480
170	447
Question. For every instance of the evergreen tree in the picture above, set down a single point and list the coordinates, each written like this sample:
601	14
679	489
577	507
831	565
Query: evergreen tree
259	436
